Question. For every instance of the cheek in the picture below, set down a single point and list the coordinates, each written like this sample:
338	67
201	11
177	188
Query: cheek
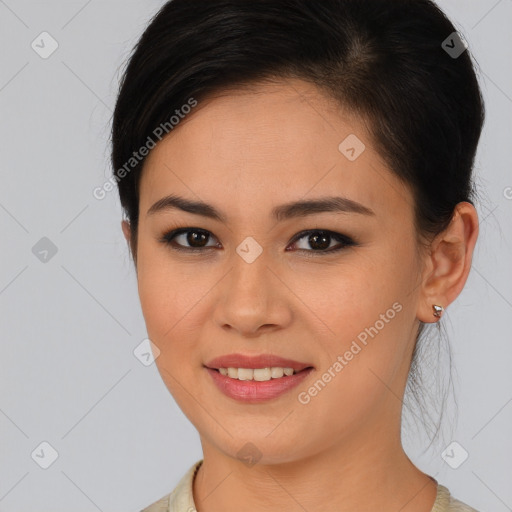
367	363
167	295
354	298
370	317
169	302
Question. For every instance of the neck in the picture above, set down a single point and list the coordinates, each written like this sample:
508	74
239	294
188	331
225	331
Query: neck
369	471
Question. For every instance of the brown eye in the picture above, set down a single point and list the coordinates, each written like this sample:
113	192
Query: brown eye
189	239
320	241
317	241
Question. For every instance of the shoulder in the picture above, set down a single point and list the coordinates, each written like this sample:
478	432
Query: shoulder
445	502
162	505
181	498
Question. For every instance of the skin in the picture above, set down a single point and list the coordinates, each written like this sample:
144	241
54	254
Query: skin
245	152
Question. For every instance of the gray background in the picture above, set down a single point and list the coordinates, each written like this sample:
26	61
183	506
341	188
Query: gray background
69	325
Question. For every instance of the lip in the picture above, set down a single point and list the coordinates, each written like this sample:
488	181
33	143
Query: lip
251	391
259	361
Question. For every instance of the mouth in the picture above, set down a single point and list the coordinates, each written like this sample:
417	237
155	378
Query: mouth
249	366
245	387
255	379
259	374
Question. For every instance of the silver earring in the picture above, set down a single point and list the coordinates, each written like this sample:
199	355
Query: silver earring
438	310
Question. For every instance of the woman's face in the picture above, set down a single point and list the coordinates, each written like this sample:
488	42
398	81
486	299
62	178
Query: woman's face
253	288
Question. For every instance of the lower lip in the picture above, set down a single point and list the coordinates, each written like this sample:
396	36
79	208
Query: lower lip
252	391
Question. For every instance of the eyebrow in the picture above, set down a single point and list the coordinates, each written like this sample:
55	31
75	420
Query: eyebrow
286	211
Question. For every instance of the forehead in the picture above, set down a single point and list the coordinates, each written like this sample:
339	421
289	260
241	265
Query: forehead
266	145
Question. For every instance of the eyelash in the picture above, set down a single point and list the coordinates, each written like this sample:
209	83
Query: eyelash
168	240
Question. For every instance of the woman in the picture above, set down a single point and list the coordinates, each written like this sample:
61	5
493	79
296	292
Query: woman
297	182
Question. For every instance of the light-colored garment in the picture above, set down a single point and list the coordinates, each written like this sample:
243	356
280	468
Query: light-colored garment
181	499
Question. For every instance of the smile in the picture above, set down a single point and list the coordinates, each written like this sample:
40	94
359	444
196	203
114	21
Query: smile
256	385
258	374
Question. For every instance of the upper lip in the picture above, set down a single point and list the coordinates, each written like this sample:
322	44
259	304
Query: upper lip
259	361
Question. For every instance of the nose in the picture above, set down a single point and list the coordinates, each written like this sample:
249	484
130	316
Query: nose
252	299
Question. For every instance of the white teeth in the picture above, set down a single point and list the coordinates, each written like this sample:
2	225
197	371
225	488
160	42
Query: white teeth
277	372
262	374
245	374
258	374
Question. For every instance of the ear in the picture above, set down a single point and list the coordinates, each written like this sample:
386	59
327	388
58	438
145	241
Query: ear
448	262
126	230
